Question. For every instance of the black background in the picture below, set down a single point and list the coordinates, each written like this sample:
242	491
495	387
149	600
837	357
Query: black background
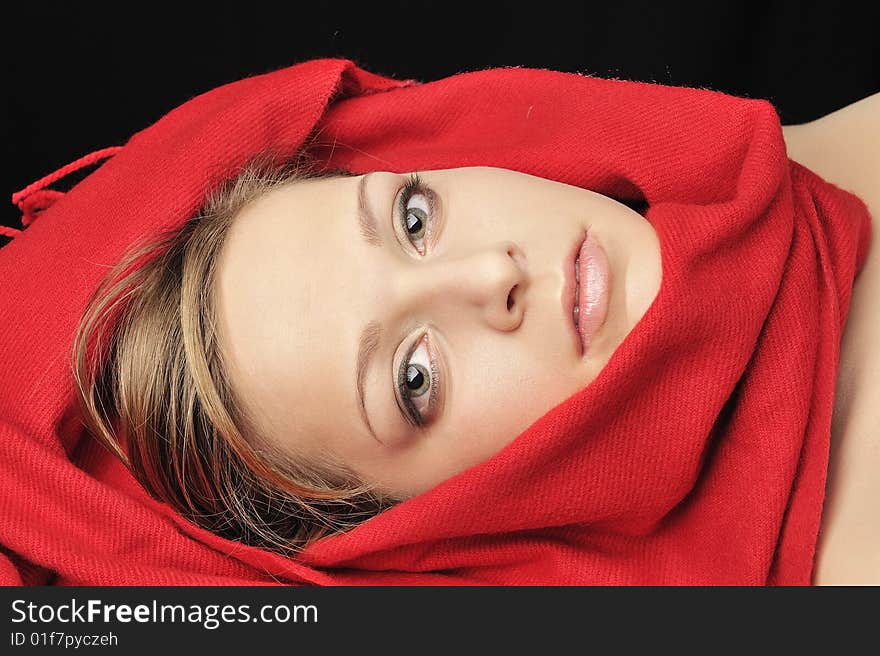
86	76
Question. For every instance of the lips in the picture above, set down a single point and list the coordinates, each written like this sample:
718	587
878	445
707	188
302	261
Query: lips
586	291
577	288
593	289
571	292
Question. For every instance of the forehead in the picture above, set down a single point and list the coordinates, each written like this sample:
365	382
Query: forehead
274	301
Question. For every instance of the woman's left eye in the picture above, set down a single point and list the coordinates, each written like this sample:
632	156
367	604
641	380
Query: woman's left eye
415	211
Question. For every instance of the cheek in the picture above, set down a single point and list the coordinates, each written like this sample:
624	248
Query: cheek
507	390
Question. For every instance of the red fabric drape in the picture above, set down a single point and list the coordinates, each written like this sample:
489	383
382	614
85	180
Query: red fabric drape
698	455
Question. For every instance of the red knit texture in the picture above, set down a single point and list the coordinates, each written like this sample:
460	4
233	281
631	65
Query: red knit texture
697	456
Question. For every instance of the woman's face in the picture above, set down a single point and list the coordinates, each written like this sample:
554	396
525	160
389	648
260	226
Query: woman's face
466	289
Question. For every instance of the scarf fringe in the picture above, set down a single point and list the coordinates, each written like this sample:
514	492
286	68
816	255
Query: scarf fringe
35	198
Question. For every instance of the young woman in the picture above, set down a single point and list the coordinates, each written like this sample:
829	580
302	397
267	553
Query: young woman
368	355
589	374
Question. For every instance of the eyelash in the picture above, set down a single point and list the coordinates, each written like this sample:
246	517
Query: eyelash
415	186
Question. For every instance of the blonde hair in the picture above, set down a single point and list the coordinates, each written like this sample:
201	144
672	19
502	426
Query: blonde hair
150	374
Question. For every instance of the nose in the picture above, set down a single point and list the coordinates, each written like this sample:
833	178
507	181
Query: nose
489	281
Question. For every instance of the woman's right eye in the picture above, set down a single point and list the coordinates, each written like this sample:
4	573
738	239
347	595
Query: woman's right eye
418	382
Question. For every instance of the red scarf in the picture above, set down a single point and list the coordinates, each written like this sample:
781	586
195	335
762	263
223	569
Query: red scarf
698	454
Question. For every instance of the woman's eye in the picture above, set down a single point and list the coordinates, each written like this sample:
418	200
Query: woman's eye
415	212
416	220
417	380
418	383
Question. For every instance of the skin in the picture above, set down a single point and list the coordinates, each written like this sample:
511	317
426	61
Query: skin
844	148
297	282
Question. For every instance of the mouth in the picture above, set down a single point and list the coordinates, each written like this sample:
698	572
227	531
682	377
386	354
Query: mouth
576	312
587	285
571	292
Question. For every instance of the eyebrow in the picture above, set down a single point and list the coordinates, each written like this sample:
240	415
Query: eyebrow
366	218
368	343
367	347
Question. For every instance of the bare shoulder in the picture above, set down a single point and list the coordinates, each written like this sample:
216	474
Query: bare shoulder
844	148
